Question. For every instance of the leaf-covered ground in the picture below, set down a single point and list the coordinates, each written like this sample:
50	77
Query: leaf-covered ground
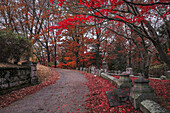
161	89
97	101
46	77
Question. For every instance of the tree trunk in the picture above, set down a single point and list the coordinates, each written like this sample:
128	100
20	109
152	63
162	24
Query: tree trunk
130	60
162	54
55	55
48	52
146	65
97	56
77	60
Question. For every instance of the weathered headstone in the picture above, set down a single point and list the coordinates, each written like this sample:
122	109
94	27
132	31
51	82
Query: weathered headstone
129	71
141	91
104	66
84	69
100	71
81	69
118	72
97	72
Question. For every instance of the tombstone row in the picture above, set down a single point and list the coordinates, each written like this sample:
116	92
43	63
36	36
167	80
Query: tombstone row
138	93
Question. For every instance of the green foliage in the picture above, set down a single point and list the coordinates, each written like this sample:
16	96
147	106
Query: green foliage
158	70
13	46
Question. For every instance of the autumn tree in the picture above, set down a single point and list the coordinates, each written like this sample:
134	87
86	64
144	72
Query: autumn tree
136	15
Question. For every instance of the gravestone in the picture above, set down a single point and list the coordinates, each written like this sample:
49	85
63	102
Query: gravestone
129	71
97	72
141	91
118	72
100	71
124	81
81	69
84	69
104	66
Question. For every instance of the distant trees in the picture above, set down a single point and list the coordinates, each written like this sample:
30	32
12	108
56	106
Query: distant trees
13	47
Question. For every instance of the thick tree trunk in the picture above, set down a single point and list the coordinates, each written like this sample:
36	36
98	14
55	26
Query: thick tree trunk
146	65
48	52
97	56
55	55
77	60
162	54
130	61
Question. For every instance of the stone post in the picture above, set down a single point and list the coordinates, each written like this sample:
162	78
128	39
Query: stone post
84	69
141	91
115	72
104	66
97	72
118	72
34	76
80	68
124	81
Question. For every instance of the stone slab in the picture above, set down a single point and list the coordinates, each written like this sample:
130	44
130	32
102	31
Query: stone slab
150	106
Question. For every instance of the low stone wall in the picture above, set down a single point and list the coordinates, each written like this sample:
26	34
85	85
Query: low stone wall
14	78
113	80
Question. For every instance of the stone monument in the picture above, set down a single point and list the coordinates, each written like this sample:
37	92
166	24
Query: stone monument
129	71
141	91
124	81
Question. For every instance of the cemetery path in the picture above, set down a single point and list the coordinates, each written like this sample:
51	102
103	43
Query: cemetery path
66	95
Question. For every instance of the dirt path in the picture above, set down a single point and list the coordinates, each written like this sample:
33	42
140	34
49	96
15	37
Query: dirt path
66	95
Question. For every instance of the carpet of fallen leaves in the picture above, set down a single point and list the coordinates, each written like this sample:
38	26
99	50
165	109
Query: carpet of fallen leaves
161	89
97	101
7	99
43	72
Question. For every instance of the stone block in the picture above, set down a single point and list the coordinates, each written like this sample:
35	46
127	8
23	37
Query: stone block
124	81
13	84
118	72
3	81
150	106
141	91
163	77
129	71
97	72
4	86
14	79
81	69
